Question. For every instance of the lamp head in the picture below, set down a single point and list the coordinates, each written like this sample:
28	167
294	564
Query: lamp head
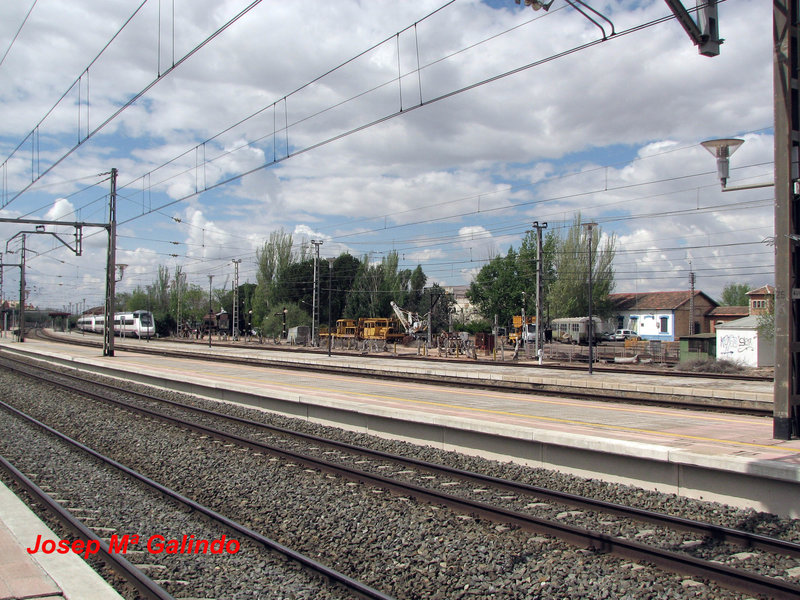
538	4
722	150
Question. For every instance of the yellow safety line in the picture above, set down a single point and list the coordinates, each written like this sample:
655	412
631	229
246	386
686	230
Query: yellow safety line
481	394
521	415
524	416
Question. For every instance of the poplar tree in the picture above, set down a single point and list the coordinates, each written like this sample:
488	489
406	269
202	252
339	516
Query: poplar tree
569	292
735	294
273	259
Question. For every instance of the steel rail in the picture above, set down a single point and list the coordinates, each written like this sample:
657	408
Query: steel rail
351	584
715	532
145	586
727	576
543	389
514	365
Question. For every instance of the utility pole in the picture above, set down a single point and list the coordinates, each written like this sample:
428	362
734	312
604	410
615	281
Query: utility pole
5	313
590	237
786	80
523	336
691	299
210	310
330	293
21	311
236	262
539	266
180	322
786	393
111	269
314	302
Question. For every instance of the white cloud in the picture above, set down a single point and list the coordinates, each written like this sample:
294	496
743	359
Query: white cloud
455	182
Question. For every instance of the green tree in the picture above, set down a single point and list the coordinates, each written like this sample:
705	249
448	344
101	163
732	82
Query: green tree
196	303
273	259
138	299
416	283
442	302
362	300
295	284
497	288
272	324
568	293
336	283
159	291
177	300
508	283
735	294
375	285
765	324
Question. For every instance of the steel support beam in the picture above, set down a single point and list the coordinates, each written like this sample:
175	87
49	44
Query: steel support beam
786	422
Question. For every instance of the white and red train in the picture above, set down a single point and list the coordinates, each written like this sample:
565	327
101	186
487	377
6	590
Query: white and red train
139	323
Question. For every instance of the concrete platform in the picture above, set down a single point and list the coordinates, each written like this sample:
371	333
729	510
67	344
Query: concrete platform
698	454
623	384
40	576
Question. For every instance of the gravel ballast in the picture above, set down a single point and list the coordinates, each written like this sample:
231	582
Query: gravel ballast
395	544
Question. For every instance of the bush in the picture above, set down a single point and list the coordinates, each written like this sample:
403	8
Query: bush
710	365
473	327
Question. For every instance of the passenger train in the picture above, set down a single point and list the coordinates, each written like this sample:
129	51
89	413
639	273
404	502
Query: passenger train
139	323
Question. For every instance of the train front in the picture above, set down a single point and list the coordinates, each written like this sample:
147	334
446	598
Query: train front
145	324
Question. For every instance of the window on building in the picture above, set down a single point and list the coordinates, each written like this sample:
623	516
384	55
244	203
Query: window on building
664	324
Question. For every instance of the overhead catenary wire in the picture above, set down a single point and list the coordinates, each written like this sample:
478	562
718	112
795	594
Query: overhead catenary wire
126	105
458	91
387	117
221	246
16	35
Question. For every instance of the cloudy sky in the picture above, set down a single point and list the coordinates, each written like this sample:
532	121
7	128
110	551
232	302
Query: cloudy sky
440	130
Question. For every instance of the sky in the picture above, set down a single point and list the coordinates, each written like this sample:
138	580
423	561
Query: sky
440	130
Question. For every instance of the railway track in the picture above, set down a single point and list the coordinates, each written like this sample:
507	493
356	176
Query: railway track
162	539
565	366
130	574
688	402
599	525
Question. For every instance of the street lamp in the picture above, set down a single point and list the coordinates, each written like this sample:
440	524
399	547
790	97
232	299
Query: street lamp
537	4
786	409
589	230
121	272
722	149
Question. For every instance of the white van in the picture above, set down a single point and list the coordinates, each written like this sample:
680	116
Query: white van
620	335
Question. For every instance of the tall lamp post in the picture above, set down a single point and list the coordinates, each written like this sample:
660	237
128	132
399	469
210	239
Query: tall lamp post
786	408
589	234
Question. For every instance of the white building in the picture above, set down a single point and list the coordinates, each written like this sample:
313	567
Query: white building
464	311
738	341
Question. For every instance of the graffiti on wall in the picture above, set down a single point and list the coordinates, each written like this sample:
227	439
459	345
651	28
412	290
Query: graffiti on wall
740	347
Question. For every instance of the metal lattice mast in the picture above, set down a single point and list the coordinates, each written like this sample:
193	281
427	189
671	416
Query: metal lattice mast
539	266
111	269
315	298
236	262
